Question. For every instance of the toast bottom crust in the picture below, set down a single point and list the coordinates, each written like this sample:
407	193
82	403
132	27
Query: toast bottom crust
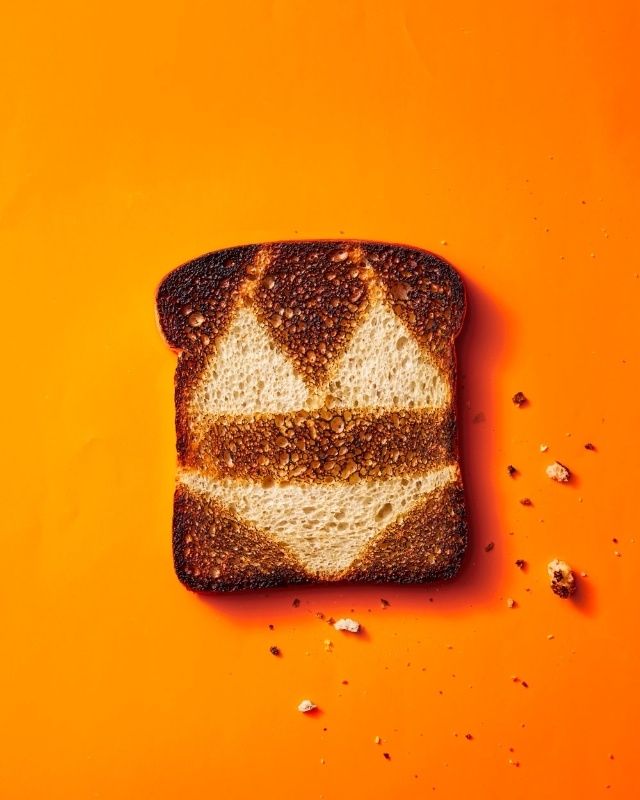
214	551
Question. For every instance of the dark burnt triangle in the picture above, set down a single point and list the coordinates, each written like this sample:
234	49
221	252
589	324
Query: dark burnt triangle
326	445
213	550
195	301
427	544
311	297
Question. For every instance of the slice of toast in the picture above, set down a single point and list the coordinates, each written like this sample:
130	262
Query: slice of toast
315	415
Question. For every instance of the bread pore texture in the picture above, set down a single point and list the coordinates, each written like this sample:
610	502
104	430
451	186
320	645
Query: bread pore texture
315	415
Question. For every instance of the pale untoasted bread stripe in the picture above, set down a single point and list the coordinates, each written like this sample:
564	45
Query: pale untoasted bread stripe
325	525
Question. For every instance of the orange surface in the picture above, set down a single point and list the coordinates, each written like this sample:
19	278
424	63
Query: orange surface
135	136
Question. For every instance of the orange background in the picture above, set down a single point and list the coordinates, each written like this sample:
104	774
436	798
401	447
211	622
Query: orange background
135	136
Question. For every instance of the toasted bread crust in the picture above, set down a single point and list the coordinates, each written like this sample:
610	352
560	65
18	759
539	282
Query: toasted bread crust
311	297
326	445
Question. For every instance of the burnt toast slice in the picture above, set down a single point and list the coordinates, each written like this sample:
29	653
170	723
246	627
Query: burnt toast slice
315	415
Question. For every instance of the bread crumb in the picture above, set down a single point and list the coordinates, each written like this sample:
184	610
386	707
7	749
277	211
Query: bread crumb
274	650
511	470
526	501
544	448
328	645
347	624
387	756
468	736
550	636
519	399
511	603
521	563
617	553
589	446
384	603
377	739
296	602
558	472
489	547
306	706
562	579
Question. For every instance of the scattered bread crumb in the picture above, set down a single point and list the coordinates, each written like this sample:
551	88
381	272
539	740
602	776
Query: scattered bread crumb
589	446
511	603
526	501
521	563
377	739
563	582
511	470
387	756
384	603
274	650
544	448
468	736
550	636
305	706
489	547
519	399
617	553
558	472
347	624
328	645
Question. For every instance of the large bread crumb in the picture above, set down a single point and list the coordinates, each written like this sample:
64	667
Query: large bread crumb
563	582
347	625
558	472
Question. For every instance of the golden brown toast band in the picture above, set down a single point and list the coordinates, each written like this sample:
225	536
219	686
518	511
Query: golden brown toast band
326	445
